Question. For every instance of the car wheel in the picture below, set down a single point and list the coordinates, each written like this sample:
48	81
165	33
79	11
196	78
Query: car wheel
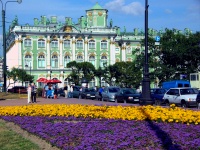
157	102
183	104
167	103
198	105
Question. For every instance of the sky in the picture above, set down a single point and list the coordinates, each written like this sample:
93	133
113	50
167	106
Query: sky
178	14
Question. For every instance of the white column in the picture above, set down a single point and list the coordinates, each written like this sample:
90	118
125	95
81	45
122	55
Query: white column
20	51
112	51
61	52
73	48
123	49
48	52
86	48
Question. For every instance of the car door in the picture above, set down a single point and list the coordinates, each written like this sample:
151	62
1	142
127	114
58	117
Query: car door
105	94
176	97
169	95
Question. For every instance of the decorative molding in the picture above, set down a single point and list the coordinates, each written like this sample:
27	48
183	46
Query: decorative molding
67	37
112	42
100	13
86	42
41	54
55	53
123	47
104	39
104	54
68	29
40	37
67	54
90	14
48	41
73	41
61	41
80	38
28	37
41	75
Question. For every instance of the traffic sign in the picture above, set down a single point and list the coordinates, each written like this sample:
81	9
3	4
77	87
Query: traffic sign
157	38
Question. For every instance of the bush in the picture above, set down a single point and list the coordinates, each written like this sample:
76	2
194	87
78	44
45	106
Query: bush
39	92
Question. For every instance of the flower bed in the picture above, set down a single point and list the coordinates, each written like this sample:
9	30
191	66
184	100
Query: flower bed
78	127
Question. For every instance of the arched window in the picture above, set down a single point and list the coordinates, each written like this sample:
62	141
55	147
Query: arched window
41	43
92	60
103	61
54	43
27	60
66	60
104	44
79	44
27	43
54	61
79	58
66	43
91	44
41	61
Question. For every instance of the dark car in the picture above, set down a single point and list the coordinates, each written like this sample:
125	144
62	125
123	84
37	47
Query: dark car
88	93
157	95
198	100
61	92
18	89
127	95
76	91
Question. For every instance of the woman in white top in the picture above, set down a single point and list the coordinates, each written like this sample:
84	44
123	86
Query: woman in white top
29	93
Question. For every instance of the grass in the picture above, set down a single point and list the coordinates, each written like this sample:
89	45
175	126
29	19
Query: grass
4	95
9	140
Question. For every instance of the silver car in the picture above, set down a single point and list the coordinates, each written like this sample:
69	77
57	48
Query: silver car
109	93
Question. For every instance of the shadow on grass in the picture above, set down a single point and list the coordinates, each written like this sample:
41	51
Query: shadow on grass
164	137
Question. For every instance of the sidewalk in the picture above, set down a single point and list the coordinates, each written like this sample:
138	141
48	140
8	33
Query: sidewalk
60	100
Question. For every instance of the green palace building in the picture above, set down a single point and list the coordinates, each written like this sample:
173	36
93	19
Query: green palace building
45	48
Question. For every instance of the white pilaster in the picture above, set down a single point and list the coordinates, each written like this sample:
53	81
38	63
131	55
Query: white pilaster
86	48
123	49
48	52
73	48
61	52
112	51
20	51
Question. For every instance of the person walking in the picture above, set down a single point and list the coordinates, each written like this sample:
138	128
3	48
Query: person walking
66	91
100	92
29	93
33	92
71	91
46	88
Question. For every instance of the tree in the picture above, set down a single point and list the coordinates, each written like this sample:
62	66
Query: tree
18	74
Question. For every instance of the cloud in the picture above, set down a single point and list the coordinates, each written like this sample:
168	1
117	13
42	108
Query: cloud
134	8
168	11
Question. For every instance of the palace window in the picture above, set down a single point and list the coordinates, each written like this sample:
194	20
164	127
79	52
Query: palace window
79	58
91	44
41	61
41	43
104	44
103	61
128	50
66	43
54	43
79	44
27	43
54	61
27	61
92	60
66	60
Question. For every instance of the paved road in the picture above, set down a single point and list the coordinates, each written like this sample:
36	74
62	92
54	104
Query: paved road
60	100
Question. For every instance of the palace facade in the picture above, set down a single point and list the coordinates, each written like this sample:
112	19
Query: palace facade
44	48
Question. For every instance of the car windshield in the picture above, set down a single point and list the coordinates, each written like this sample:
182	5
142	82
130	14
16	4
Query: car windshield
129	91
92	90
187	91
87	90
113	90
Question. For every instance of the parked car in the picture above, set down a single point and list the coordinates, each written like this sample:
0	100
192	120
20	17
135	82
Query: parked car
18	89
198	100
76	91
88	93
127	95
109	93
157	95
185	97
61	92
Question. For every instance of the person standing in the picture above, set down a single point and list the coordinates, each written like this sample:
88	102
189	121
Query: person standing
33	92
29	93
71	91
66	91
46	88
100	92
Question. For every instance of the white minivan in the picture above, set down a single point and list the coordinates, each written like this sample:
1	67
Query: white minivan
185	97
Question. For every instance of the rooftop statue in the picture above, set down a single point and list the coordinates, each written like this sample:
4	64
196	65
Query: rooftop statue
111	23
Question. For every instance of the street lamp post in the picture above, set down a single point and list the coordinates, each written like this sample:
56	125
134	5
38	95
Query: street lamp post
146	98
4	39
